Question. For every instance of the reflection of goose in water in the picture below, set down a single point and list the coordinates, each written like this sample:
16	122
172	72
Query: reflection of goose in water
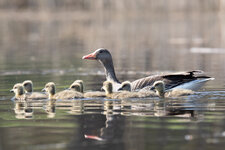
28	87
193	80
19	91
50	109
159	87
66	94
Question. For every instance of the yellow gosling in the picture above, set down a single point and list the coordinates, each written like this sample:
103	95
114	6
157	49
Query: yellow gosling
28	87
74	91
159	87
19	91
50	89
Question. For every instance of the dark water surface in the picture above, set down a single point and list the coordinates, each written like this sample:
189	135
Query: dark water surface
43	43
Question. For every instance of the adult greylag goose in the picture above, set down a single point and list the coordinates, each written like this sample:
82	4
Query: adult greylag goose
28	87
71	93
19	91
159	87
192	80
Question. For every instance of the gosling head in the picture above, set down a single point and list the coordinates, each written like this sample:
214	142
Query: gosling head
18	90
107	87
81	85
126	86
50	89
159	87
28	86
75	86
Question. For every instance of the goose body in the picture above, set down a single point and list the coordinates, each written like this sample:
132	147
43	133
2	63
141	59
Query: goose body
28	87
171	80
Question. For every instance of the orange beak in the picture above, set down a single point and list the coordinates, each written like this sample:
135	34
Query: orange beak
91	56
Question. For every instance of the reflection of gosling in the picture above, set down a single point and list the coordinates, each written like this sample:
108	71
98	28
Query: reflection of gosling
126	86
72	92
19	91
28	87
159	87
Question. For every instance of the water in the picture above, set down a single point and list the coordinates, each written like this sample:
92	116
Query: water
43	41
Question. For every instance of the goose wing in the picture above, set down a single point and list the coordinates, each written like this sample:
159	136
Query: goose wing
170	80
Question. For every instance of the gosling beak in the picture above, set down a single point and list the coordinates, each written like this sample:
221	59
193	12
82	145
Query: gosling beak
91	56
120	89
152	88
102	89
43	90
11	90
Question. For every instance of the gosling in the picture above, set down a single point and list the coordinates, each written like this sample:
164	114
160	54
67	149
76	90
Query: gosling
50	89
74	91
91	94
108	88
28	87
159	87
18	89
126	86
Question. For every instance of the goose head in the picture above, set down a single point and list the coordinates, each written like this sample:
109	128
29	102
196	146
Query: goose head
81	85
18	90
75	86
100	54
159	87
125	86
105	58
50	89
107	87
28	86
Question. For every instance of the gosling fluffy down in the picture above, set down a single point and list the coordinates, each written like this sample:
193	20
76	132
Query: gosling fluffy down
18	89
107	86
28	87
159	87
74	91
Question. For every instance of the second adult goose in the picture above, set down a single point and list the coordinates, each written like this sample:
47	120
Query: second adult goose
192	80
